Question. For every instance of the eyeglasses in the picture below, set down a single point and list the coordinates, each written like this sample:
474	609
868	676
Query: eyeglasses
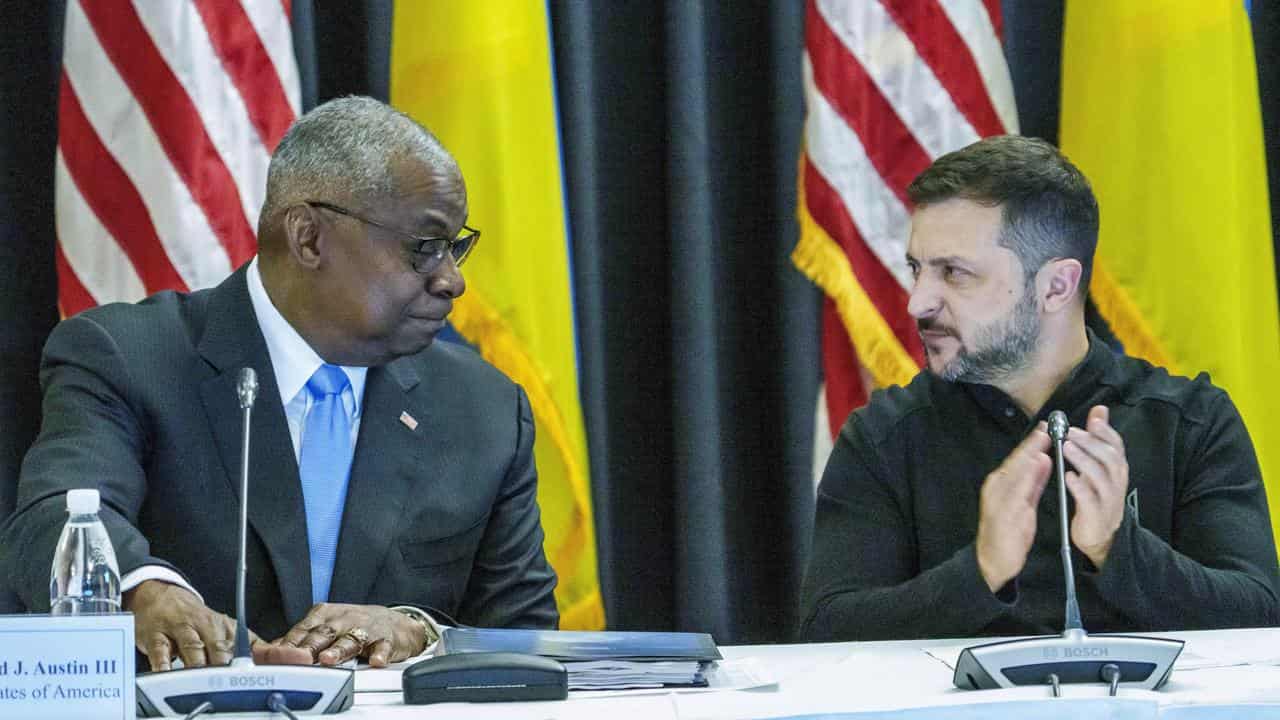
430	251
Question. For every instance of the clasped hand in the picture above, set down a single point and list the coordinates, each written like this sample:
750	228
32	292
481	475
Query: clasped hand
1097	482
170	622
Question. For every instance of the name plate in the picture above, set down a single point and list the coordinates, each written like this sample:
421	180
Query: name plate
77	666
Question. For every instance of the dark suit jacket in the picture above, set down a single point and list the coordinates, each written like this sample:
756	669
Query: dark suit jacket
140	401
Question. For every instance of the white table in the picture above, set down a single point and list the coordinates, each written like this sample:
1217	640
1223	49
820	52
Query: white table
884	676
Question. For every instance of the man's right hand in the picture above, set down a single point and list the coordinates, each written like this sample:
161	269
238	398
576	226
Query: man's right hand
1007	514
171	621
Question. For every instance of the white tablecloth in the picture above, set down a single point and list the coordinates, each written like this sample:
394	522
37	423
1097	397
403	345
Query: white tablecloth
1236	667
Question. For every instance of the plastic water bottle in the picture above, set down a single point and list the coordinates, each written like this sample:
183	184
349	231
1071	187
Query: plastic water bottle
85	578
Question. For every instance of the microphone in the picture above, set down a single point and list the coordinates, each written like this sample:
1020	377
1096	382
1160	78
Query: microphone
244	686
247	392
1074	656
1058	427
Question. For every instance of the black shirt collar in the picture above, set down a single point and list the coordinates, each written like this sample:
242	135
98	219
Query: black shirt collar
1075	395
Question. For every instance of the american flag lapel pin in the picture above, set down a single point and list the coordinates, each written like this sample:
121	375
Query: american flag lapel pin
408	420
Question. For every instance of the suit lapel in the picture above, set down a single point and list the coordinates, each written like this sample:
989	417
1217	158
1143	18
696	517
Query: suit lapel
231	340
389	455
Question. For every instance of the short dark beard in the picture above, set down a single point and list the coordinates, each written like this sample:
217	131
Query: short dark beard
1004	348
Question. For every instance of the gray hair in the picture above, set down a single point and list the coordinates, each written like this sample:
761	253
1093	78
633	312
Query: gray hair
342	152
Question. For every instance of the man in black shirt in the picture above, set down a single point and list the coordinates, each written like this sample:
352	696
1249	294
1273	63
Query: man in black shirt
932	516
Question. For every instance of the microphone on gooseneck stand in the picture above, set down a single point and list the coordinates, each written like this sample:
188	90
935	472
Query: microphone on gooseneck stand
247	392
1074	656
1058	427
244	686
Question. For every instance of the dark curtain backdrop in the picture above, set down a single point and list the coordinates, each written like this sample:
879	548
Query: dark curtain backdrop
698	342
29	57
1266	42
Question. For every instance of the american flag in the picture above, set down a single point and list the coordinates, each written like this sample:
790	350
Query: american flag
168	113
890	85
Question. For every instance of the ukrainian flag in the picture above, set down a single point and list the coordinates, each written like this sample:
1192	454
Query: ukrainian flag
1160	110
478	74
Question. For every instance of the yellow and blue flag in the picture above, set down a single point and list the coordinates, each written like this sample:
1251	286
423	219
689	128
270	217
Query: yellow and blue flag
1160	110
479	75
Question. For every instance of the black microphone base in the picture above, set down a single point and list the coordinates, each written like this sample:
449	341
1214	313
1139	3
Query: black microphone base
1074	657
245	687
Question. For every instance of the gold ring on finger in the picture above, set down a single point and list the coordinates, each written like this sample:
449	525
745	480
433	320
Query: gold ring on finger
360	636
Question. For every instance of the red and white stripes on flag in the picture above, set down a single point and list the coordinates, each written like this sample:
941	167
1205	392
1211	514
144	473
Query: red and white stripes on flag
890	85
168	112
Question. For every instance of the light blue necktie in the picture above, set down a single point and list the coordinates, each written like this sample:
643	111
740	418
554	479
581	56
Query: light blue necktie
324	466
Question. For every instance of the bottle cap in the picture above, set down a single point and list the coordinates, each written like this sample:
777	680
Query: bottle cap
82	501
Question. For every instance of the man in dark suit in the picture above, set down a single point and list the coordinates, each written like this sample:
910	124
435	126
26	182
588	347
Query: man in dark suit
386	470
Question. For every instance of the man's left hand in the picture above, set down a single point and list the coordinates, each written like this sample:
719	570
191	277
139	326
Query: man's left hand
1098	483
332	633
